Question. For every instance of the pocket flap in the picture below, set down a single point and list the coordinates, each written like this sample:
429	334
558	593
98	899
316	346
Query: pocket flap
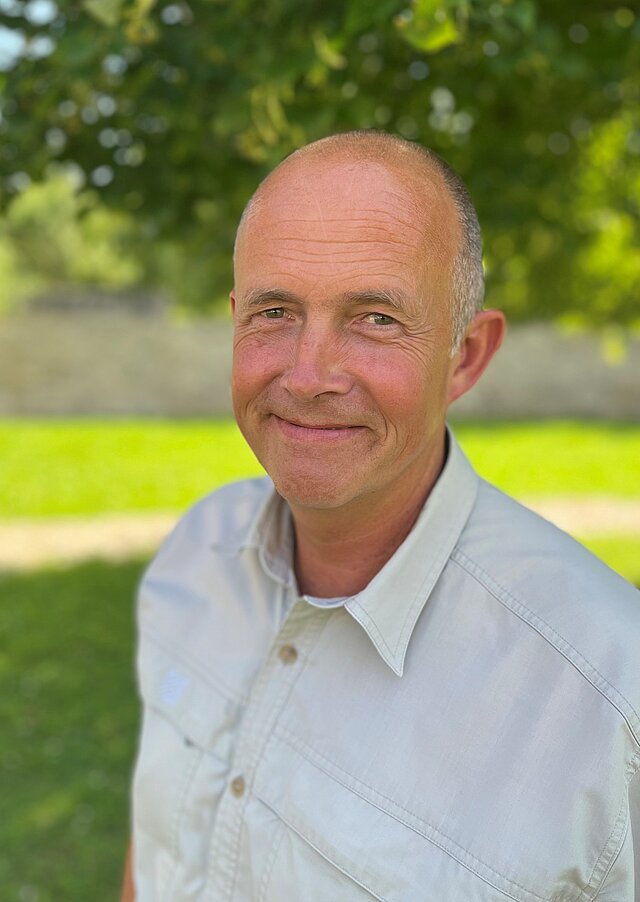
196	708
388	858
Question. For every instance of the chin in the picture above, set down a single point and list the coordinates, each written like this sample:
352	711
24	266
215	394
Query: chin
311	491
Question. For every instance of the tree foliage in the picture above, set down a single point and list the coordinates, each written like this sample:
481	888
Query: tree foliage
174	111
54	234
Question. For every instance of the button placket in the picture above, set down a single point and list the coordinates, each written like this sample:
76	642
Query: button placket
269	693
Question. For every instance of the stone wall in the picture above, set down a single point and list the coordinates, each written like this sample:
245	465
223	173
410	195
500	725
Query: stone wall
107	364
119	364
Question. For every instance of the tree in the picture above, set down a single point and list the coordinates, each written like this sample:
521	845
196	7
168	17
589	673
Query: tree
174	112
54	234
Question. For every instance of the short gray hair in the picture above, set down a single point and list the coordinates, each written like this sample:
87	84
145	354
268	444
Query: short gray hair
467	272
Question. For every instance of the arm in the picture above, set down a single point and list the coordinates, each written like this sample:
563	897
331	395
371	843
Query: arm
128	892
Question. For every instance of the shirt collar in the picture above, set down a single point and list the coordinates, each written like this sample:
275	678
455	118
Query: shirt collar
271	534
389	607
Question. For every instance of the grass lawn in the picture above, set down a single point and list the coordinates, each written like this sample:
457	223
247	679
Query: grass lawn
620	552
69	713
87	466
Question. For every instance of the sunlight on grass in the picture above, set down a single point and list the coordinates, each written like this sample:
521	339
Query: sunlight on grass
85	467
548	458
621	553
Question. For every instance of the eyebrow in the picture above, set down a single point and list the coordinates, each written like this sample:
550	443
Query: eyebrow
376	297
396	300
259	296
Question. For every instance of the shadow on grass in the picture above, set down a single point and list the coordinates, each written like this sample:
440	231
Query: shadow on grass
69	711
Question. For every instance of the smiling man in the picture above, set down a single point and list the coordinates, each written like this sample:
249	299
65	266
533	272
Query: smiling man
343	363
372	675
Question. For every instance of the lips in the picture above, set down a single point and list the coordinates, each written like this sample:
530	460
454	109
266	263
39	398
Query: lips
298	429
322	426
302	425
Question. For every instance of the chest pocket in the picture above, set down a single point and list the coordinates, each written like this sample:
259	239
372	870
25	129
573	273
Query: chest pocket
181	770
343	847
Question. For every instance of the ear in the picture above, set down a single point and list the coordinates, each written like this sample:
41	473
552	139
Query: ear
232	301
482	339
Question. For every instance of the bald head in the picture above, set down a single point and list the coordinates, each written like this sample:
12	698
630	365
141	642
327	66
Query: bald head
419	168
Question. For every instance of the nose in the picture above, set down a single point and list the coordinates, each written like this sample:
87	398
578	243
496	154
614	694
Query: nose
316	367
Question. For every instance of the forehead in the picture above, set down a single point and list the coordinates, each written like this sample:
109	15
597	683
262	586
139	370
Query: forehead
356	221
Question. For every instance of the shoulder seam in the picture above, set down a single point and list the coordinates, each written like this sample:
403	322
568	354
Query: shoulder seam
591	674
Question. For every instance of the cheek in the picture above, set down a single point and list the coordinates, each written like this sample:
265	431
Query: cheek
255	365
395	383
407	391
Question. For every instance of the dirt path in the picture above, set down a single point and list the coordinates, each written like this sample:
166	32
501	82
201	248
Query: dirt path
27	544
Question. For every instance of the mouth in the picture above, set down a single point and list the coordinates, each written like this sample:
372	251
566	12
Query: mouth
318	431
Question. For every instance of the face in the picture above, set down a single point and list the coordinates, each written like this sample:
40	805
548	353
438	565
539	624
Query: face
341	373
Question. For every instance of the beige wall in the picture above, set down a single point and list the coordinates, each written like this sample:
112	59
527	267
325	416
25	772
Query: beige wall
123	364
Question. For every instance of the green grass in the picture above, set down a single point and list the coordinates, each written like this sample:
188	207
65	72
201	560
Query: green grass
69	713
555	457
86	467
52	468
621	553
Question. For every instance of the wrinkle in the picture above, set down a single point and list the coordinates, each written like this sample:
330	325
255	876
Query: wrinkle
356	258
362	215
388	223
350	242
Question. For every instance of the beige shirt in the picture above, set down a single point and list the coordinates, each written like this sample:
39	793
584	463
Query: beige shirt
465	729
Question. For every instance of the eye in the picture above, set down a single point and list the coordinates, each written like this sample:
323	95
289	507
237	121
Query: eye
273	313
380	319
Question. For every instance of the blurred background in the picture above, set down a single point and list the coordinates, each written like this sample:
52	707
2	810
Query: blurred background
132	133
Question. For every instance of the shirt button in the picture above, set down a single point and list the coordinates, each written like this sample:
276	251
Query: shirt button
238	786
288	654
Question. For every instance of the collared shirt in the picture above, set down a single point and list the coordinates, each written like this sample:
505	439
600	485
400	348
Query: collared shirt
464	729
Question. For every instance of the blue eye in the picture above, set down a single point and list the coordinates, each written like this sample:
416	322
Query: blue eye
380	319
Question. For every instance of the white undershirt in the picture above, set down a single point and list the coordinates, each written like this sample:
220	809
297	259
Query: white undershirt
326	602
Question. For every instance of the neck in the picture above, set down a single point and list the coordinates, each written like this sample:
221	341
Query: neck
339	551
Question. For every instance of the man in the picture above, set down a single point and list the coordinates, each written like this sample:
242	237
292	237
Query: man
374	676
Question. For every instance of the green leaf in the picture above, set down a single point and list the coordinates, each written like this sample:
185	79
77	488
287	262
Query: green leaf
106	12
523	14
142	8
429	26
361	17
327	51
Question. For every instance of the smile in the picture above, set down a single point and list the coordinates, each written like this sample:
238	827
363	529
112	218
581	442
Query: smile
316	431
